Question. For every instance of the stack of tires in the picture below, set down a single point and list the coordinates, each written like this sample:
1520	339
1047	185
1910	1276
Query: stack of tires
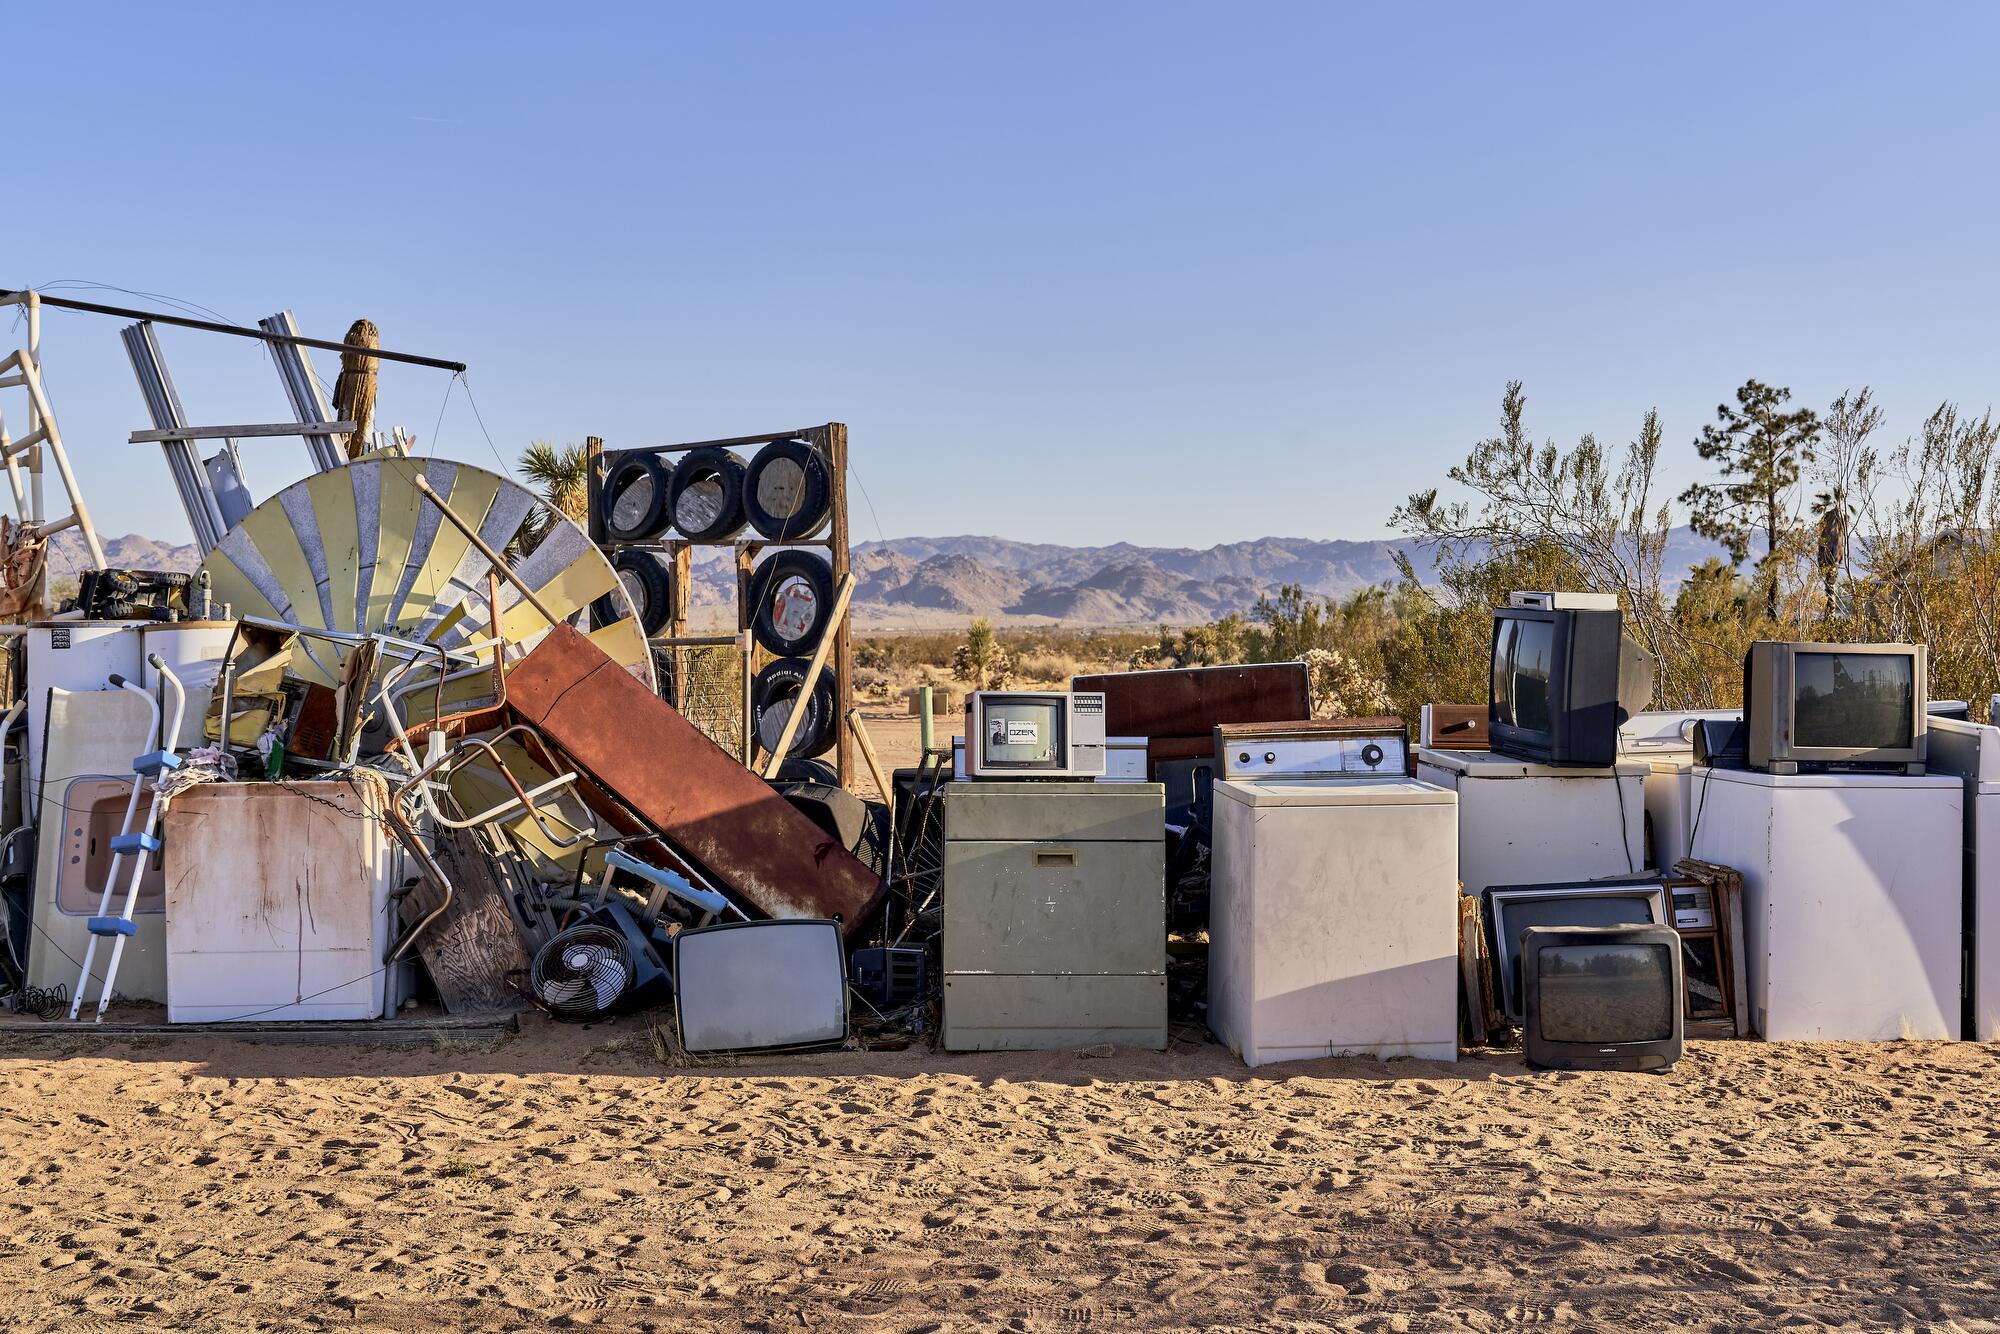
709	496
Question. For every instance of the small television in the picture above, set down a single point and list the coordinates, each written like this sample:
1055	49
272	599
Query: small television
1034	734
1854	706
1602	997
1513	909
1564	677
750	986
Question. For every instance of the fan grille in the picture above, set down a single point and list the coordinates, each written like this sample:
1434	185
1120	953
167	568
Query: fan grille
582	972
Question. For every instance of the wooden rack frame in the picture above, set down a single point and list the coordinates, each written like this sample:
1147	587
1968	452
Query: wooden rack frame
831	441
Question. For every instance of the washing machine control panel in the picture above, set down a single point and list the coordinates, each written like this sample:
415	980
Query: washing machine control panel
1371	747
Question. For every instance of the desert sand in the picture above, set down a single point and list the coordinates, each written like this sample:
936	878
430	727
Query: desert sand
566	1178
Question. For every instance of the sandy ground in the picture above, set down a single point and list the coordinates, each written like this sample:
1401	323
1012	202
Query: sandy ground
566	1178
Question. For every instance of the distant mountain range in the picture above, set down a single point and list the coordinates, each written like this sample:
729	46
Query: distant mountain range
913	582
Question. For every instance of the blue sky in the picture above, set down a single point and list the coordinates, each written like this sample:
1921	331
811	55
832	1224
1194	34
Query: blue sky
1078	273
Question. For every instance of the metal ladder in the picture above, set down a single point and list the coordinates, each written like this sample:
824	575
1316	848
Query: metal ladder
138	844
22	369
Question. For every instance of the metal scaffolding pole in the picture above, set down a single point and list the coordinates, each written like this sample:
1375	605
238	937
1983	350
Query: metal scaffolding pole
302	388
163	405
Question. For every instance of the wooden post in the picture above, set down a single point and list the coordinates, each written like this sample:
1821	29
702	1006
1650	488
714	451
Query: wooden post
843	647
593	455
677	615
868	752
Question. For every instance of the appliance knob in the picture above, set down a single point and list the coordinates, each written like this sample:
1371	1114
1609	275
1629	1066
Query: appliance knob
1270	757
1371	755
1243	757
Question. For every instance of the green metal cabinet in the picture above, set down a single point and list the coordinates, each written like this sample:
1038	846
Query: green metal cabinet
1054	915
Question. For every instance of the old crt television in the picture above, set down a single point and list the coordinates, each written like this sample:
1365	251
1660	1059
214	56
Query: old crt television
1564	677
1034	734
1602	997
1839	705
1510	910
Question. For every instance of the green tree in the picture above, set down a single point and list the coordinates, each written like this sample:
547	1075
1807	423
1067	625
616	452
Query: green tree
1759	449
1845	472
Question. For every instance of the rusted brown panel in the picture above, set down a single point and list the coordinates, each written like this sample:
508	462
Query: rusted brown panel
637	747
1193	701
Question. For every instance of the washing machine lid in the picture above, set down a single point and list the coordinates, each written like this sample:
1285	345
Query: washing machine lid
1393	791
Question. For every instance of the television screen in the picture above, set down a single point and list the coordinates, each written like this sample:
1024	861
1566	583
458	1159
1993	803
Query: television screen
1606	993
1023	732
1503	670
1523	664
1853	700
1512	916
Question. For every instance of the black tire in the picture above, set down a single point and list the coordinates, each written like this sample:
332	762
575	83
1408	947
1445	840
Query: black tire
791	594
777	691
706	501
788	491
808	771
649	583
634	500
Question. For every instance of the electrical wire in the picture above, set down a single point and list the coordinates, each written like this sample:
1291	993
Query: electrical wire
473	403
430	446
1624	824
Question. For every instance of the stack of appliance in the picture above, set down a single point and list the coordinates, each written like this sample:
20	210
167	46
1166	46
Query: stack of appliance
1664	743
1852	855
1333	926
1054	923
1970	752
1550	799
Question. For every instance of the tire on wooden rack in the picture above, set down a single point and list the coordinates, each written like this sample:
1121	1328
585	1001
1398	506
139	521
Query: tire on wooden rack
634	499
791	594
706	501
775	694
788	491
649	581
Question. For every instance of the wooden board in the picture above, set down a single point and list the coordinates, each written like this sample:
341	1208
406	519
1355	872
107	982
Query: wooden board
1458	727
469	951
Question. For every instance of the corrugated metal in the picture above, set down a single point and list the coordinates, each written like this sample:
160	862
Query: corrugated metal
742	833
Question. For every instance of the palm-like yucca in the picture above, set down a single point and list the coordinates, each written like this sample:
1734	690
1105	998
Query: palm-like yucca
560	472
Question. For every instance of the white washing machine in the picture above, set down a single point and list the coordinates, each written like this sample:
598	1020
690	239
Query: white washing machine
1533	824
1852	915
1970	752
1333	914
1664	743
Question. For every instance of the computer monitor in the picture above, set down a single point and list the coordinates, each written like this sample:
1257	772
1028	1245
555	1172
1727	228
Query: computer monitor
1602	998
1034	734
1563	679
1836	705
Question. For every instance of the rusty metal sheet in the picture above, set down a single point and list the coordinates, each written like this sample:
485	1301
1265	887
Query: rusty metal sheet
1194	701
743	834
